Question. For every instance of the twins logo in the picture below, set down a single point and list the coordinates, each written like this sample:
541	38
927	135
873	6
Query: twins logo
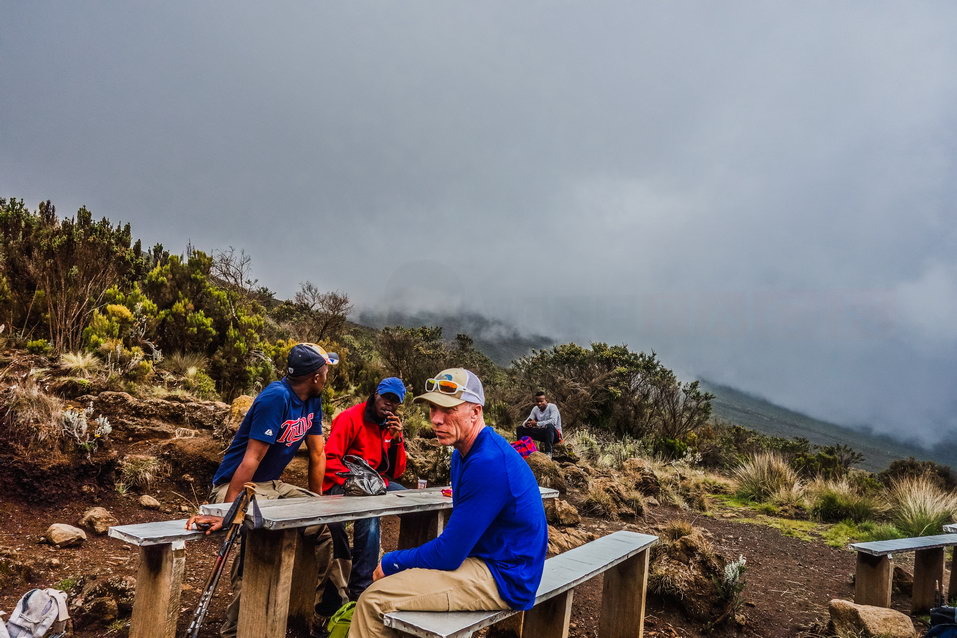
295	430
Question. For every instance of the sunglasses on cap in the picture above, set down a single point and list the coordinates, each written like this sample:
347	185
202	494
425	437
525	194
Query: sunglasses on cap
445	386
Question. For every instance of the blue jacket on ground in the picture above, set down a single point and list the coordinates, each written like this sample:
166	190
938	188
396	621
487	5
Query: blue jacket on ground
497	516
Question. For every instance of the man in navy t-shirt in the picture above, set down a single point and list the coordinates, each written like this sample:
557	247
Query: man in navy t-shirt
286	413
492	551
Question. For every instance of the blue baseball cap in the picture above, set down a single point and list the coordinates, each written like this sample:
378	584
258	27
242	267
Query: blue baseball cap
305	358
392	385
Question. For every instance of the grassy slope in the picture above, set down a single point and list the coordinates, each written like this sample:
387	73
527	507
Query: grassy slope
765	417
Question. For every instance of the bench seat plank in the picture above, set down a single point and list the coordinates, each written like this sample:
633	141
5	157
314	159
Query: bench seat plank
561	573
898	545
158	533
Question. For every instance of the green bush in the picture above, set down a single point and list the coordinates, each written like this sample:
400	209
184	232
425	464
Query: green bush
39	346
832	506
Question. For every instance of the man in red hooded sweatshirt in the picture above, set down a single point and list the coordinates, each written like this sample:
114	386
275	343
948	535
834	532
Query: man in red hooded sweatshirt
370	430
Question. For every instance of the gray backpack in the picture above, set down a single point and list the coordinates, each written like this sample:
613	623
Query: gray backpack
41	613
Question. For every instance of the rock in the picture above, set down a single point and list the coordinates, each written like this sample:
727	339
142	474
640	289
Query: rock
563	453
652	501
850	620
148	502
428	459
903	581
546	471
196	456
98	519
234	418
562	540
575	477
155	417
13	571
62	535
99	601
643	479
561	512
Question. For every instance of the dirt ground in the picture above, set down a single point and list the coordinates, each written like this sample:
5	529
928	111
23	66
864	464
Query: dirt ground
789	581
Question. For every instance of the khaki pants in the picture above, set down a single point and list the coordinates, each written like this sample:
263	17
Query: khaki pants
468	588
268	490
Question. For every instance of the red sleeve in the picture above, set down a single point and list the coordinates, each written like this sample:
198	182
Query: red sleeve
341	435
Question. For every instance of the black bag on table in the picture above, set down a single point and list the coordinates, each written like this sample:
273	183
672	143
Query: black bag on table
361	479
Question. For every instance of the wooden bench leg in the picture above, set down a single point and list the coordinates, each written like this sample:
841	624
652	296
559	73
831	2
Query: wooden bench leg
267	580
159	582
952	583
420	527
623	598
510	627
550	618
302	602
872	580
928	574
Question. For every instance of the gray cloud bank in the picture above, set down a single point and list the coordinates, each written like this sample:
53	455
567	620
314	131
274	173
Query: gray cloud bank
762	192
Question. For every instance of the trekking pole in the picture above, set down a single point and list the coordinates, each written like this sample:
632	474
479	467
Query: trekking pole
234	520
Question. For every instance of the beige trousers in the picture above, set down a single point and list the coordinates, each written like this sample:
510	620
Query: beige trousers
468	588
268	490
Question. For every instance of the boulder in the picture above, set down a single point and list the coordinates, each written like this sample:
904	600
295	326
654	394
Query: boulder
148	502
62	535
562	540
428	459
99	601
575	477
559	512
97	519
644	480
130	415
234	417
563	453
13	571
197	456
851	620
546	471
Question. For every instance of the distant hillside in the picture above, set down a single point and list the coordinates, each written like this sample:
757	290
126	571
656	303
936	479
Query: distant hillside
499	341
765	417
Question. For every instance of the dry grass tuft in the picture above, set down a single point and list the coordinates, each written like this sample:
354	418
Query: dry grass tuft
82	364
140	470
763	475
919	507
33	418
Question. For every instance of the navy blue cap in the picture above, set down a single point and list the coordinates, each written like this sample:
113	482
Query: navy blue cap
393	385
306	358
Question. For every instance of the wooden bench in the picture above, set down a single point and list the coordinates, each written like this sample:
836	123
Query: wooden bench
621	556
280	569
875	570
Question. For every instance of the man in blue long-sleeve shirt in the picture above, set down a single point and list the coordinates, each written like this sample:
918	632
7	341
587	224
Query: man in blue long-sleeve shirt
492	551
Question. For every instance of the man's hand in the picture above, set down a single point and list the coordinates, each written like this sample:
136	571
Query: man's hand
378	573
533	422
214	523
394	425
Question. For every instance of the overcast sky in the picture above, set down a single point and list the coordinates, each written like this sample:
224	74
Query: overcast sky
762	192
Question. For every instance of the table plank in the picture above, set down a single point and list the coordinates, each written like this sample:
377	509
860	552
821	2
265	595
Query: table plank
898	545
303	512
158	533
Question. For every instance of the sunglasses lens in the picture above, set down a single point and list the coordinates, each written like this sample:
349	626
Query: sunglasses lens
448	387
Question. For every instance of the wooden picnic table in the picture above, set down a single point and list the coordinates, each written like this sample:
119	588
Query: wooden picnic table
280	570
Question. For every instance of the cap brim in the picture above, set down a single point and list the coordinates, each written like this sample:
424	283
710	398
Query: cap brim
440	399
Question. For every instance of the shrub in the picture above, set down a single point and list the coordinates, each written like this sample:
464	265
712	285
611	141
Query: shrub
763	475
182	363
919	507
837	500
39	346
